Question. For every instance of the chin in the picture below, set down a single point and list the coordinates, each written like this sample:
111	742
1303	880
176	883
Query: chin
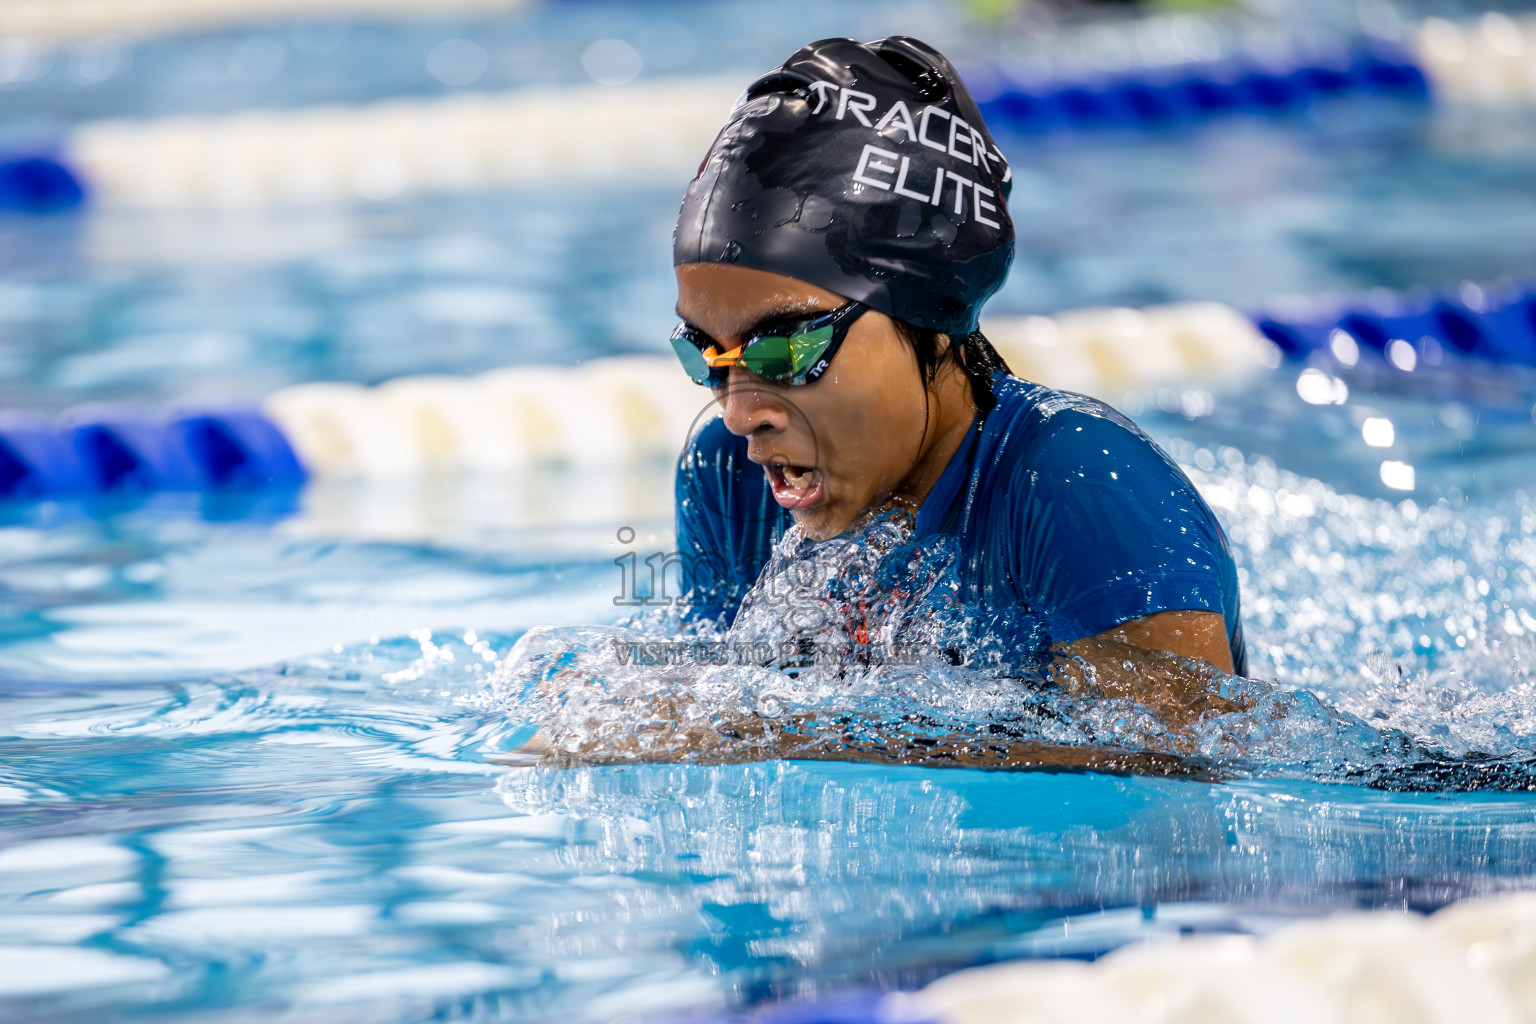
821	523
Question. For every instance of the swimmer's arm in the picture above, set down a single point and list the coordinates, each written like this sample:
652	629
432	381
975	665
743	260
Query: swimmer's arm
1148	660
1201	635
814	740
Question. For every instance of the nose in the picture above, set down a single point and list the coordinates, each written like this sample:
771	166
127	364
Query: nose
751	406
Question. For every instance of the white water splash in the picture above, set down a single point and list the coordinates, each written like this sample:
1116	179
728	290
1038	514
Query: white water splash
865	632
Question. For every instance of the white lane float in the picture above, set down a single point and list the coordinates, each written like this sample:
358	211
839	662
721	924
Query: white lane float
347	430
1110	352
618	410
60	21
646	132
1472	961
1490	61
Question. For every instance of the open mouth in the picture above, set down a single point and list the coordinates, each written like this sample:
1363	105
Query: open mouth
794	487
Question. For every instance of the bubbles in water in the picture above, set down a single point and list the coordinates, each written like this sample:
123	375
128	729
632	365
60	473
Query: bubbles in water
868	595
838	638
1413	619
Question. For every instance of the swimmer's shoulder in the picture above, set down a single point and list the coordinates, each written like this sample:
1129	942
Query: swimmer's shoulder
1040	422
1065	449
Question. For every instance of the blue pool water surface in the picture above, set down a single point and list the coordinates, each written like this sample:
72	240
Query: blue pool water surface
253	763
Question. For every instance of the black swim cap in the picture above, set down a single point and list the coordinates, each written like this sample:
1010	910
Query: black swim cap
863	168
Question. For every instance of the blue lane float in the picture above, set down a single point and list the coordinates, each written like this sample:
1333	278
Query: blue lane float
240	450
125	449
1151	98
37	461
38	184
868	1007
1496	327
106	450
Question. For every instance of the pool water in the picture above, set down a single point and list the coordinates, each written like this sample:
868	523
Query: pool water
255	762
249	765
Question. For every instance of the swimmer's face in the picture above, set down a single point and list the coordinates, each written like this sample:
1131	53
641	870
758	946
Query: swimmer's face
833	448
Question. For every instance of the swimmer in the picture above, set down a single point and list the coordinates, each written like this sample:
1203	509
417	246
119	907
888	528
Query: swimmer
832	256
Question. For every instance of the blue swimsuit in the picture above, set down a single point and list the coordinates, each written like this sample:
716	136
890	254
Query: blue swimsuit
1063	509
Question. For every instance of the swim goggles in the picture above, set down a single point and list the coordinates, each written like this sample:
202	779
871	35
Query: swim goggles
789	352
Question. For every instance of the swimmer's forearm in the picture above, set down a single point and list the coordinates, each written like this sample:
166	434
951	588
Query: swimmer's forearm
811	739
1105	667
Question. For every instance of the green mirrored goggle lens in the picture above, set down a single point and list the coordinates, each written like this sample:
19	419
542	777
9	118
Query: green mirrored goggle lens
779	358
768	357
806	348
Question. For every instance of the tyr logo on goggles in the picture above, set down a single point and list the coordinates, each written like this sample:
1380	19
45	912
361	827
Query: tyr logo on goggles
791	352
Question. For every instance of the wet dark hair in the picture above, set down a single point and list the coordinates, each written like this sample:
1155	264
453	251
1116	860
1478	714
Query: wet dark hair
974	355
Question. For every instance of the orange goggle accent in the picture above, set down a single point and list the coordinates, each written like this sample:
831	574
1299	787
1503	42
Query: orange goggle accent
714	357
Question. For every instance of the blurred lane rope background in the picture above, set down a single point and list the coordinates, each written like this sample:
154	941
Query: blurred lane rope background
384	150
250	185
66	20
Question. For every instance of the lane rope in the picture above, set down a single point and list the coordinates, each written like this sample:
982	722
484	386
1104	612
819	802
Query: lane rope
611	412
654	130
650	132
63	21
1474	960
627	409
